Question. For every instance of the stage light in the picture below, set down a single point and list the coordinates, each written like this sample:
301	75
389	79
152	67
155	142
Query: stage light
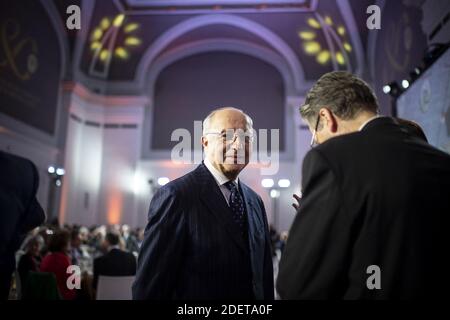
274	193
163	181
267	183
347	47
105	23
328	21
118	20
405	84
58	182
284	183
307	35
417	70
121	53
97	34
107	30
96	45
60	171
51	169
104	54
314	23
130	27
312	47
132	41
392	89
323	57
340	58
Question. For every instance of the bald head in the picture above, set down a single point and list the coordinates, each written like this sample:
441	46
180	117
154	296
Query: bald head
226	140
225	112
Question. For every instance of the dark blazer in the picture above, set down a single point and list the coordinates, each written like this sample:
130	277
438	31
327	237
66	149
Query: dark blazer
375	197
19	210
115	263
193	249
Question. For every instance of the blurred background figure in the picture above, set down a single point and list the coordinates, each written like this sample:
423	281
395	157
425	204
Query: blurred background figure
20	211
58	260
75	246
30	261
115	261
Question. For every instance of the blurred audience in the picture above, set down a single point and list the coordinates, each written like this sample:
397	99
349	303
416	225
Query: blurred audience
97	250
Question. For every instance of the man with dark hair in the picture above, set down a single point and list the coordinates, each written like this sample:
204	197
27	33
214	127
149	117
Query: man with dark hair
115	262
20	212
371	221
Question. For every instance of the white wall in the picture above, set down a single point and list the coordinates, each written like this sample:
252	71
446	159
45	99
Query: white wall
100	161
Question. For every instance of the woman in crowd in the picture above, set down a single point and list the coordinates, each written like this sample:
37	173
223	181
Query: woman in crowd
57	261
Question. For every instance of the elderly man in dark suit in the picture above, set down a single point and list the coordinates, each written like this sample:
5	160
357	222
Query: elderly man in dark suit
372	222
19	211
207	234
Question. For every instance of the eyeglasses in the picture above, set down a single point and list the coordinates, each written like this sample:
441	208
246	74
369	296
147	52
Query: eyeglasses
230	138
313	142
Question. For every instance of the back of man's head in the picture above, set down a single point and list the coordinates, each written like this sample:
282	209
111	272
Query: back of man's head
343	93
112	238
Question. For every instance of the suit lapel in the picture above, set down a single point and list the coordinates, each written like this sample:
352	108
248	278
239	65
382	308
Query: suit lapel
213	198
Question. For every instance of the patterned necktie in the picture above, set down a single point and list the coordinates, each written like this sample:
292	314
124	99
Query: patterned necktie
236	205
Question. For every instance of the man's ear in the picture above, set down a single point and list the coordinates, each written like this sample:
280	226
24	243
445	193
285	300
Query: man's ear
330	119
204	141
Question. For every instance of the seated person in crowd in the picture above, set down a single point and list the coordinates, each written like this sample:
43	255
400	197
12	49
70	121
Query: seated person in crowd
115	262
75	250
29	261
57	261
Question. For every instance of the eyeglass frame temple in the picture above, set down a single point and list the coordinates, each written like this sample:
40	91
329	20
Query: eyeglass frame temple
313	138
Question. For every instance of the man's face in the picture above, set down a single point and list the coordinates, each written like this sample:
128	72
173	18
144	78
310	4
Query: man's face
227	146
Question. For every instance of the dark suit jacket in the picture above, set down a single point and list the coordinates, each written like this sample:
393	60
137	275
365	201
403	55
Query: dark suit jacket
194	250
374	197
19	210
115	263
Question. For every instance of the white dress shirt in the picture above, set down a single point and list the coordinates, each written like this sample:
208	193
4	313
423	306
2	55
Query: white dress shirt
220	179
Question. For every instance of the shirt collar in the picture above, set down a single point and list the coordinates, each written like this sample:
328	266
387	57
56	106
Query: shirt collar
218	176
114	247
369	120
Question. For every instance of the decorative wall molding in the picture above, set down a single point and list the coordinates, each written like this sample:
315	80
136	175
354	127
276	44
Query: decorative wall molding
210	6
107	101
347	13
220	45
158	46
